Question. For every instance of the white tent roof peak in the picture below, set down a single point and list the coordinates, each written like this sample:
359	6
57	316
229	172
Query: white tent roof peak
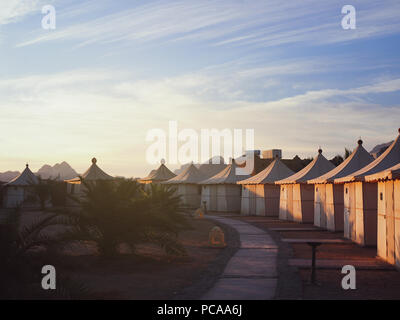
191	175
161	174
319	166
358	159
277	170
226	176
386	160
26	178
93	173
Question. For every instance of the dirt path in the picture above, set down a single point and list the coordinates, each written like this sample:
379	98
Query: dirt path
251	273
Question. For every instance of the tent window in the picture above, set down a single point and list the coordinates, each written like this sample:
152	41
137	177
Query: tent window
317	188
283	189
381	196
347	190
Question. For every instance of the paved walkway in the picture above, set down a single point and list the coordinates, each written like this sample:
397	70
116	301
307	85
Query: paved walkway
251	274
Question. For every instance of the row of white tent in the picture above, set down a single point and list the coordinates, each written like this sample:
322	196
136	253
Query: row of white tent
360	197
18	191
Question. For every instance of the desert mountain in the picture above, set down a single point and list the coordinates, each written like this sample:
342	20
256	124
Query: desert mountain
59	171
8	176
379	149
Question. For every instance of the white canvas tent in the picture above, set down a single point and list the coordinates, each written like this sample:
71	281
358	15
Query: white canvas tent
360	197
18	190
260	195
297	197
160	175
94	173
220	192
187	187
328	199
388	239
209	170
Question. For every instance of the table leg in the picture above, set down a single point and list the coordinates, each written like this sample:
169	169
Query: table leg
313	269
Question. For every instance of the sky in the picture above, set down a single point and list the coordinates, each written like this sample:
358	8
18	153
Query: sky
112	70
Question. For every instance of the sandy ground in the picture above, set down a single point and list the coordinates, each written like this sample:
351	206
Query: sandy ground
151	274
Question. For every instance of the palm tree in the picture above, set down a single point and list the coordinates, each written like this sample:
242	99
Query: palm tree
337	160
347	153
122	211
41	190
21	261
165	218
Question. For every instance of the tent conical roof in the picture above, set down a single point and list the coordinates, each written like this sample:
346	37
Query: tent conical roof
277	170
319	166
26	178
209	169
190	175
161	174
358	159
386	160
226	176
93	173
388	174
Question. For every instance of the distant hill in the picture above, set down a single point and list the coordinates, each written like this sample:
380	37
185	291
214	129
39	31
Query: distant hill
379	149
8	175
60	171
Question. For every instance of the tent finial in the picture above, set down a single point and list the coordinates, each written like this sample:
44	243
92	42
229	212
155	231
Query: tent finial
94	160
162	161
320	150
399	130
360	142
27	165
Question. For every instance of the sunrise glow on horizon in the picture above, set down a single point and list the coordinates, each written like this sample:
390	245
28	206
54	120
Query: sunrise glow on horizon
111	71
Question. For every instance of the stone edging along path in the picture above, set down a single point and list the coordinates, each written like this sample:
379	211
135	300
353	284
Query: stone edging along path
251	274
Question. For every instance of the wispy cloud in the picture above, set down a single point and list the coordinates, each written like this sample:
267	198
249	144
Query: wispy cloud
349	94
109	114
202	63
255	23
14	10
